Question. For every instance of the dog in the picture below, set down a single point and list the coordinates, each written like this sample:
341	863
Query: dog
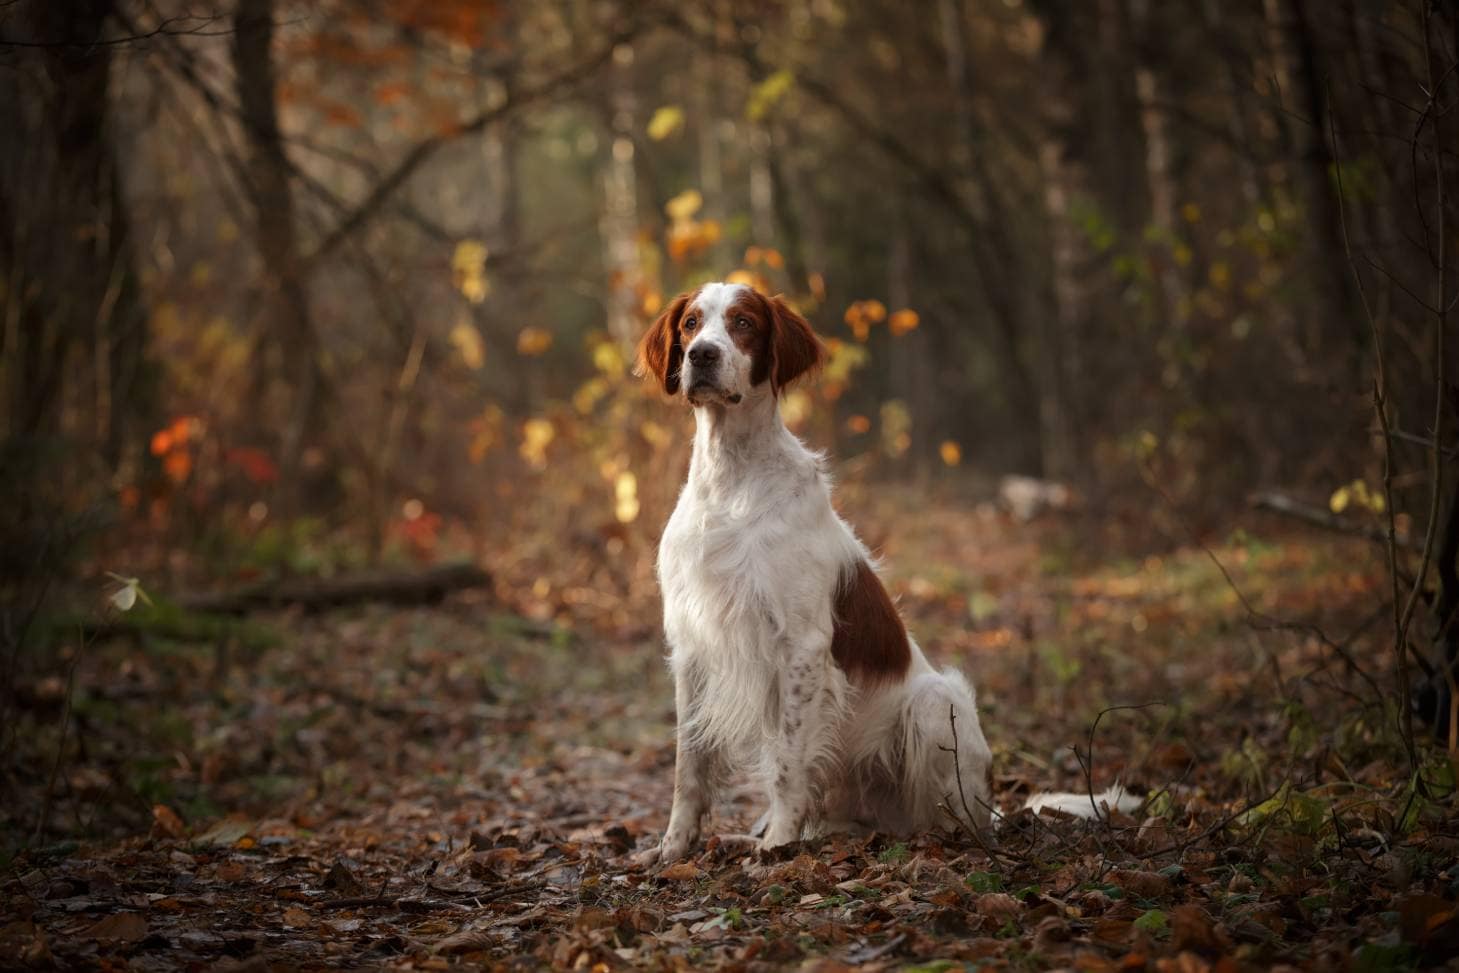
788	656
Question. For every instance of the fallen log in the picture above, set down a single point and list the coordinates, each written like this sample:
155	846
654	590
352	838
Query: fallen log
315	594
1287	506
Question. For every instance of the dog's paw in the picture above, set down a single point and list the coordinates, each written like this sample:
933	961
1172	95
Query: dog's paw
777	835
647	858
672	849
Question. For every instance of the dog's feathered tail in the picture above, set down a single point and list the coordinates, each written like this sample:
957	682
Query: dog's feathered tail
1085	805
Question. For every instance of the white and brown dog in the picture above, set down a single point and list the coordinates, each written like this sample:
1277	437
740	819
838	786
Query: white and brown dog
788	655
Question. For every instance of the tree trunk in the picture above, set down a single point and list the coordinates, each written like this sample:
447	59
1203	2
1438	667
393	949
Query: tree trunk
1062	333
1337	325
1012	298
66	283
291	332
1169	285
618	225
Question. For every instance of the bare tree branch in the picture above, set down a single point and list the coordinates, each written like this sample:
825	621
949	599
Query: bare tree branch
367	208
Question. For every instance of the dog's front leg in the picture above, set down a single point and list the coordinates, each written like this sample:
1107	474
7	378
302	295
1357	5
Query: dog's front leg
808	724
695	769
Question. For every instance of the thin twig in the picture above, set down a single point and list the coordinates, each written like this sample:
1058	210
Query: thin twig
81	641
969	824
1089	770
163	29
1380	408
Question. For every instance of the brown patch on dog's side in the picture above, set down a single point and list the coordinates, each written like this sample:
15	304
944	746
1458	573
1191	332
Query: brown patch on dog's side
869	641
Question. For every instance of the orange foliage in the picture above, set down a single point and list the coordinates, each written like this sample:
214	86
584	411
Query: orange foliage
255	464
340	113
178	464
391	92
462	21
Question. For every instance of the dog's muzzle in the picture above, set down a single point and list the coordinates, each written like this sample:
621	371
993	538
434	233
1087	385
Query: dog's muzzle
702	382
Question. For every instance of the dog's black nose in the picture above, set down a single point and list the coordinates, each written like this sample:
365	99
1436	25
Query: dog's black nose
702	355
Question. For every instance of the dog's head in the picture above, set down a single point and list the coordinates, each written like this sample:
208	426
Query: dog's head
725	343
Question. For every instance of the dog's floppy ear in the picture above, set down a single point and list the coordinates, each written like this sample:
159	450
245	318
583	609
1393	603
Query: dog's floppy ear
794	347
659	352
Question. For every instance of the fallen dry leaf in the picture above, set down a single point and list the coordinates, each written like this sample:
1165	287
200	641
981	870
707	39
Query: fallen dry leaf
166	823
124	927
680	872
998	906
297	918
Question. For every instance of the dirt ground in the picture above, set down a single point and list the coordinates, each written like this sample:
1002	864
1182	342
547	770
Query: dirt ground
430	788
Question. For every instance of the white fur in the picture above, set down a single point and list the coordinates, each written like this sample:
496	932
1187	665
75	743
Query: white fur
749	566
1099	805
733	373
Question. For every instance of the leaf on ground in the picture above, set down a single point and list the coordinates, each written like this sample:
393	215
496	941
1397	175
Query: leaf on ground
1142	885
166	823
681	872
343	880
297	918
25	941
124	927
228	831
1422	916
231	871
466	941
1192	930
998	905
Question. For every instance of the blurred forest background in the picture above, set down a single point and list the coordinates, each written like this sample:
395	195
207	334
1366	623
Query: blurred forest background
297	289
332	282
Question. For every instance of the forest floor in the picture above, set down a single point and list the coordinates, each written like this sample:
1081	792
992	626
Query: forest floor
452	786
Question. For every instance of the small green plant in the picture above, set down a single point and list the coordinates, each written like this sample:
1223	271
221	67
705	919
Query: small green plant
893	855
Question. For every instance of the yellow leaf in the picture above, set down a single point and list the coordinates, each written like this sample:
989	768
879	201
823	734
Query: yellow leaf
468	270
951	452
485	431
589	394
655	434
683	206
903	321
767	93
468	344
795	407
537	434
533	341
607	358
1340	499
625	496
896	427
748	278
665	122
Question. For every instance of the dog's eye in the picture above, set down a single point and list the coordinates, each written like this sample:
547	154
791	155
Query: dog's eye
689	324
742	323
